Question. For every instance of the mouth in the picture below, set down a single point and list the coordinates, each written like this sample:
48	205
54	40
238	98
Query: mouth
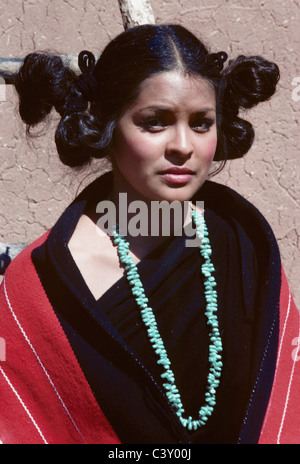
177	175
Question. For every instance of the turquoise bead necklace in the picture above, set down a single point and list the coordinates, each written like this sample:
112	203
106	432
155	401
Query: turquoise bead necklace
215	346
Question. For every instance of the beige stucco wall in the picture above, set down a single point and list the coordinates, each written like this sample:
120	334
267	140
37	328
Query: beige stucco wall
35	187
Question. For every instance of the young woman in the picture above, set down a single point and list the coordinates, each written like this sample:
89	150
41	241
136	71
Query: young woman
146	336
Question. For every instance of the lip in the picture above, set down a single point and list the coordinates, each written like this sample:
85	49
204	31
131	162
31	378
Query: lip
177	175
177	170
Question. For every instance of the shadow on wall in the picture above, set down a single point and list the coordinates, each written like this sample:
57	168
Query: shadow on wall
8	253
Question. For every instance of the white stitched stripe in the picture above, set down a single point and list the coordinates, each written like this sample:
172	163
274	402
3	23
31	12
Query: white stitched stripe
40	362
284	327
290	384
24	406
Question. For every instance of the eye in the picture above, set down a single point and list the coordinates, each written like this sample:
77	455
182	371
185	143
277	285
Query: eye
154	123
202	125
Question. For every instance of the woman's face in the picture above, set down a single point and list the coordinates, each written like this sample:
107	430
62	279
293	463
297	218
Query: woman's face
164	143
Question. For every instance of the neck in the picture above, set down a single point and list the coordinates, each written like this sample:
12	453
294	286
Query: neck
145	223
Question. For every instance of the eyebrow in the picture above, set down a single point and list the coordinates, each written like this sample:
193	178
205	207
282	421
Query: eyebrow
165	109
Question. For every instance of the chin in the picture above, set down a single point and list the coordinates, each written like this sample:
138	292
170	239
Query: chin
174	194
182	193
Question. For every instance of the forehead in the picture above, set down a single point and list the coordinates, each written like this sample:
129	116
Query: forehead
176	90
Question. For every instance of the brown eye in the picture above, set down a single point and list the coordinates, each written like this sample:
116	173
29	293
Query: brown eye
153	124
202	125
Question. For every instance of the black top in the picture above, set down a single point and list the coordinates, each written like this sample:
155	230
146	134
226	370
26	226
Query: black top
111	344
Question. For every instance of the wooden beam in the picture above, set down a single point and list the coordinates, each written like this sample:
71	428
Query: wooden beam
10	66
136	13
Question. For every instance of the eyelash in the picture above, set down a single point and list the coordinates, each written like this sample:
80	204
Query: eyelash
156	124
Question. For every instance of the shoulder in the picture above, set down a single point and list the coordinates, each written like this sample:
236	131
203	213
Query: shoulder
252	231
225	198
232	206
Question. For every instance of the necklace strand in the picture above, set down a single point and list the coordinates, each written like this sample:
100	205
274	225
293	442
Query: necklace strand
215	346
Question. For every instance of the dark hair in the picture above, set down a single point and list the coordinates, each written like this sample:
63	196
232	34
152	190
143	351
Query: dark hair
111	84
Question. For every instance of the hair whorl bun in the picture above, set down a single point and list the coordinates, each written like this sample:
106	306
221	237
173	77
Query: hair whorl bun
246	82
44	82
41	83
251	80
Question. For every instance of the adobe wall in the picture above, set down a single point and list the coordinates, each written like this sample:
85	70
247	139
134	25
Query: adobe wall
35	187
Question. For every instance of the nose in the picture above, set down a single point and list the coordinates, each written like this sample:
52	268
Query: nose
180	142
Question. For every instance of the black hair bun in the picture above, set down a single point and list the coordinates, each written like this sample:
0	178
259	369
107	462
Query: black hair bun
78	139
41	84
246	81
45	82
251	80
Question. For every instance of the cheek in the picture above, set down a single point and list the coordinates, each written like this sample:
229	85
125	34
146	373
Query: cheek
133	147
211	149
208	152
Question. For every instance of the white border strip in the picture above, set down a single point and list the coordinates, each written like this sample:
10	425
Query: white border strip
284	327
24	406
40	362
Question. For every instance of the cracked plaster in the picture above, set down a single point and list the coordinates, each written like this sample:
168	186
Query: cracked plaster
35	187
